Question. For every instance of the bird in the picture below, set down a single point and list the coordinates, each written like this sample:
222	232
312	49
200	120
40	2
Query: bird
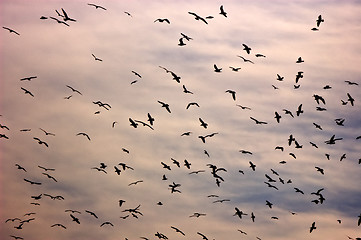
252	165
246	48
133	123
351	83
16	237
333	140
47	133
96	58
299	110
58	225
245	152
202	235
317	126
258	122
20	167
343	157
299	76
192	104
177	230
46	169
75	219
279	148
288	112
162	20
185	90
197	17
313	227
359	220
203	124
243	107
233	93
216	69
99	169
350	99
175	162
319	20
97	6
28	78
74	90
279	77
165	105
135	183
51	177
299	60
186	38
150	119
235	69
245	60
253	217
130	15
144	124
277	117
318	98
66	17
239	213
27	91
83	134
11	30
186	134
181	43
269	204
298	190
260	55
222	11
320	170
41	142
243	232
187	164
107	223
165	166
59	21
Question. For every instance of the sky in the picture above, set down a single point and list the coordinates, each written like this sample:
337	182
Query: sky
138	55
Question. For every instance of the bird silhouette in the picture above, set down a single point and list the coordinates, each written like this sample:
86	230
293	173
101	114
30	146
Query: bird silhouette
28	78
222	11
279	77
245	60
350	99
51	177
177	230
246	48
216	69
162	20
299	60
277	117
133	123
192	104
239	213
41	142
313	227
233	93
74	90
181	43
319	20
333	140
203	124
58	225
66	17
59	21
97	6
27	91
47	133
269	204
11	30
107	223
186	38
235	69
165	105
197	17
83	134
96	58
202	235
258	122
299	110
252	165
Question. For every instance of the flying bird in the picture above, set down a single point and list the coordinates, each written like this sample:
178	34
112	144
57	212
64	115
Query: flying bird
11	30
47	133
233	93
246	48
258	122
216	69
350	99
197	17
59	21
299	60
97	6
32	182
74	90
96	58
66	17
185	90
41	142
177	230
299	110
165	105
192	104
83	134
245	60
27	91
222	11
203	124
277	117
313	227
319	20
162	20
28	78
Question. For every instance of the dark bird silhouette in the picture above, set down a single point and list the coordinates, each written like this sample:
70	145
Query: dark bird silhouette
269	204
20	167
333	140
222	11
177	230
27	91
359	220
239	213
277	117
121	202
197	17
340	121
59	21
28	78
313	227
351	83
235	69
197	215
233	93
216	69
99	169
46	169
133	123
245	152
320	170
185	90
117	170
176	162
246	48
288	112
51	177
258	122
66	17
175	77
75	219
96	58
260	55
299	76
350	99
299	110
299	60
318	98
16	237
243	107
47	133
317	126
192	104
181	43
203	138
186	38
298	190
187	164
174	186
107	223
343	157
83	134
245	60
203	124
279	148
313	145
97	6
271	186
144	124
319	20
162	20
186	134
58	225
12	219
74	90
279	78
221	200
41	142
202	235
31	182
252	165
165	105
130	15
11	30
165	166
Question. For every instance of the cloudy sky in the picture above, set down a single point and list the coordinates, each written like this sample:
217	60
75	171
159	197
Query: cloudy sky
60	57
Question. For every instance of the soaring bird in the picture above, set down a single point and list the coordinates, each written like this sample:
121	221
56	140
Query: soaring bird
28	78
41	142
185	90
246	48
319	20
216	69
299	60
58	225
350	99
133	123
239	213
150	119
279	77
59	21
107	223
181	43
20	167
235	69
202	235
245	60
177	230
73	89
186	38
66	17
83	134
197	17
96	6
277	117
269	204
258	122
313	227
96	58
11	30
27	91
252	165
47	133
162	20
333	140
299	110
203	123
75	219
165	105
192	104
233	93
222	11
